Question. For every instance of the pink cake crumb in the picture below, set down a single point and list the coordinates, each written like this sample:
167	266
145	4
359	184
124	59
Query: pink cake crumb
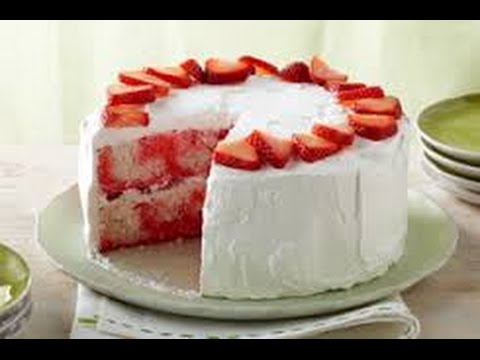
138	218
156	160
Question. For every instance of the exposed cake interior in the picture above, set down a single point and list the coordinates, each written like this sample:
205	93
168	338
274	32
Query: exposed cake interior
152	190
151	183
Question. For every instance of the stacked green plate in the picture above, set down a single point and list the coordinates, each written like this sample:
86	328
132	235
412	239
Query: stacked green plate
15	299
450	135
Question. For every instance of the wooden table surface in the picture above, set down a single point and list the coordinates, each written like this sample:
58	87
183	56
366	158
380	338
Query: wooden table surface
447	303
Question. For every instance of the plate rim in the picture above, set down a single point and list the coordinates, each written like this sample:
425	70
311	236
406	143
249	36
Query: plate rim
471	185
452	163
26	291
20	319
463	194
461	154
243	309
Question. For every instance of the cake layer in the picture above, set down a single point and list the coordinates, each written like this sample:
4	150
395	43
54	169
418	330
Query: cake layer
152	216
158	159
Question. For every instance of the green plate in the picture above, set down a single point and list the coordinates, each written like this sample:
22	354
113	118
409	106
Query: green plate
431	242
452	127
437	170
451	165
14	279
449	185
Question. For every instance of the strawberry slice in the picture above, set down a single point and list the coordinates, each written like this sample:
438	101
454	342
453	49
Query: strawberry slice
175	76
375	92
342	135
123	116
261	67
318	64
338	86
386	106
272	150
221	72
348	104
135	78
322	77
311	148
193	68
237	155
321	73
130	95
297	72
373	127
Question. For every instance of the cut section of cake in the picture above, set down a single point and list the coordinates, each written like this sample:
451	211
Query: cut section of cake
283	175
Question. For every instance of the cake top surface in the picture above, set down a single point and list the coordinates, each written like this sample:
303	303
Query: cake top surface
261	103
308	113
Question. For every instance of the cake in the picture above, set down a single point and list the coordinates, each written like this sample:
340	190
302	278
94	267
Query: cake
294	179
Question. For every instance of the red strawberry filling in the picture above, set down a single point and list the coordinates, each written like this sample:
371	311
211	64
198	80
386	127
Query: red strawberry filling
166	215
156	160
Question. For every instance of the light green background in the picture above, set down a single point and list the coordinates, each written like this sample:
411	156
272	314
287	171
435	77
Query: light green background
54	72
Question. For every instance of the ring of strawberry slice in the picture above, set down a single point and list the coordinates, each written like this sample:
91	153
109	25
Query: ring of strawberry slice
371	114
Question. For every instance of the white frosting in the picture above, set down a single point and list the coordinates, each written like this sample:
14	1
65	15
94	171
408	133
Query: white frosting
274	233
268	102
319	227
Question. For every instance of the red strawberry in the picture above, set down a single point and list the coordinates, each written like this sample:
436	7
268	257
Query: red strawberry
321	73
338	86
123	116
362	93
373	127
130	95
260	66
297	72
226	72
323	76
386	106
342	135
193	68
272	150
141	78
318	64
176	76
349	104
238	155
311	148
